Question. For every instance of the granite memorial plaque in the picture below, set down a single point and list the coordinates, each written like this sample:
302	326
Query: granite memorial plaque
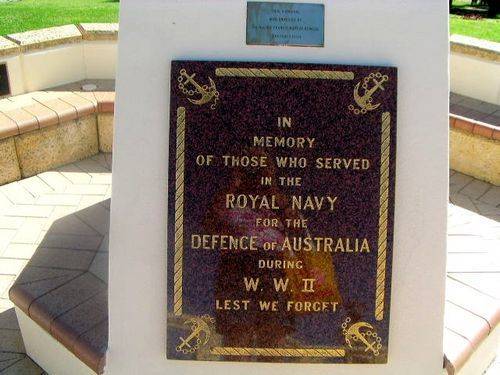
289	24
280	211
4	80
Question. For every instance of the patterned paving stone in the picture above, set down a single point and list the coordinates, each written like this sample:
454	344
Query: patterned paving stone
62	258
20	251
475	189
55	180
11	222
487	283
11	341
5	237
24	367
70	224
6	305
492	196
11	266
17	194
59	200
458	182
5	283
97	217
92	166
87	189
99	266
35	186
494	368
74	174
23	210
29	232
7	360
8	319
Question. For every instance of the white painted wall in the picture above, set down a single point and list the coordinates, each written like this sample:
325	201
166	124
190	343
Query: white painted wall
100	59
412	35
474	77
47	352
53	66
15	72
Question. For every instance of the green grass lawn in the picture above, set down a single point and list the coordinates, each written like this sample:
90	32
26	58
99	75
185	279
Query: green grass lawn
484	28
17	16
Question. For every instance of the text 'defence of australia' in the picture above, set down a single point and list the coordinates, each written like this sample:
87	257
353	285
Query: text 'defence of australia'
280	211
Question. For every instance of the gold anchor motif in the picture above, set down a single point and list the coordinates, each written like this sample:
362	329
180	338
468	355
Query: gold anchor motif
200	334
365	101
355	334
206	93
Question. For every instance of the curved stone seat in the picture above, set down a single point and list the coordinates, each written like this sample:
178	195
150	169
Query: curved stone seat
43	130
475	138
63	289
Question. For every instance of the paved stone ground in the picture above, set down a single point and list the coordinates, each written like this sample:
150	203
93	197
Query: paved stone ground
474	218
29	207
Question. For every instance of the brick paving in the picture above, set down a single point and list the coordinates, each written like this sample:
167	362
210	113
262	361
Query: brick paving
28	208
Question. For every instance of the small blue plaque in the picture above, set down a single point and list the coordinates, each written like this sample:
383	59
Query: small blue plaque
285	24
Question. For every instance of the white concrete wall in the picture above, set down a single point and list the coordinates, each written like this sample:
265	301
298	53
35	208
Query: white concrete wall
58	65
412	35
47	352
100	59
53	66
475	77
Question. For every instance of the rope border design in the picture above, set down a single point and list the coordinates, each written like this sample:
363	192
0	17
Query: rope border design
179	209
382	222
284	73
277	352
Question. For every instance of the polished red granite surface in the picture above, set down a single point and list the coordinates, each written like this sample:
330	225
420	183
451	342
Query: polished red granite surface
281	203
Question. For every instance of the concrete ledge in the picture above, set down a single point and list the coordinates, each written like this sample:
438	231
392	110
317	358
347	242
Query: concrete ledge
479	128
99	31
479	48
45	38
33	40
8	47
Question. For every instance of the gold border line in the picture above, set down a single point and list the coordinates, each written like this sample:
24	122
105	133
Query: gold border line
383	212
277	352
179	209
284	73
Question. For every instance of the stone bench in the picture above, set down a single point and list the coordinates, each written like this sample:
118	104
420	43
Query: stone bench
46	129
61	297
